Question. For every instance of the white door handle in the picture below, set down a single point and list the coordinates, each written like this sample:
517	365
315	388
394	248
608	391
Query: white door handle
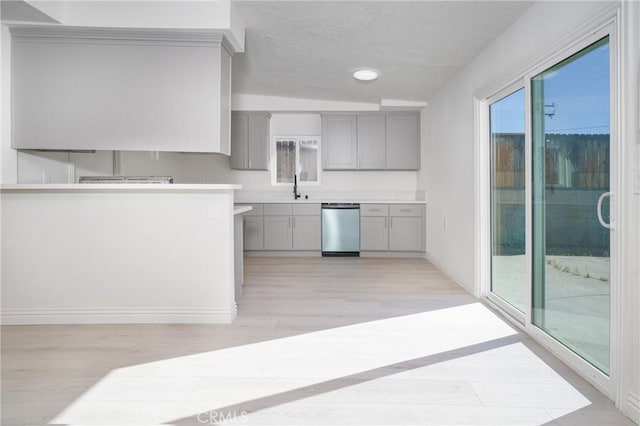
599	210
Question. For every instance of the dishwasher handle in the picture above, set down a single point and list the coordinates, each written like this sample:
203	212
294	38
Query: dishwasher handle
331	206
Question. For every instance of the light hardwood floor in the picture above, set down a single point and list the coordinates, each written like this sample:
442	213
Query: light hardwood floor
322	341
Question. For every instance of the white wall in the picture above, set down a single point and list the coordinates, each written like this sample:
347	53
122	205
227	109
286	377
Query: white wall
448	143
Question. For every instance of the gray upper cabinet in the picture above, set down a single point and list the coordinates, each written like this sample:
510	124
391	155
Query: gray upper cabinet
371	142
250	133
403	142
339	142
120	89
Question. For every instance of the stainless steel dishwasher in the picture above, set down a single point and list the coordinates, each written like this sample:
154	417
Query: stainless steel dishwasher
340	229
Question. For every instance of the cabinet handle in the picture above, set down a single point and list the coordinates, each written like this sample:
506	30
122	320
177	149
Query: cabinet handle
391	222
375	210
249	162
385	223
405	210
288	222
294	221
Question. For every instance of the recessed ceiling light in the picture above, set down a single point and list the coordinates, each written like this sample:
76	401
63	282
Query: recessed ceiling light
365	75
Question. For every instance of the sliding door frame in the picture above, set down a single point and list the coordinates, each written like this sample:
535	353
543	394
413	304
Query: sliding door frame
607	24
488	243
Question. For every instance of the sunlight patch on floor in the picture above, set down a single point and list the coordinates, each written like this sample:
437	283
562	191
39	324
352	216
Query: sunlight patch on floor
397	359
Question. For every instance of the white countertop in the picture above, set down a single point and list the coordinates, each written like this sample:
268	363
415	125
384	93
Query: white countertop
173	187
240	210
315	201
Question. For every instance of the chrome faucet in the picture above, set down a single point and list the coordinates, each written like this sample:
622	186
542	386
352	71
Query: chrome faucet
295	187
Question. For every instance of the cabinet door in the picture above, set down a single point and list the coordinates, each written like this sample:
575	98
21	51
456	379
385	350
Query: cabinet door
277	233
403	140
339	140
306	233
374	233
239	142
405	233
258	141
253	233
371	142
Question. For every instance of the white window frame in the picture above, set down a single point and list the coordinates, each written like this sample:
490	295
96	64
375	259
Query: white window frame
274	159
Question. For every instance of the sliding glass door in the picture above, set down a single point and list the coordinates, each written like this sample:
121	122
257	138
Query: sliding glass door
570	124
508	261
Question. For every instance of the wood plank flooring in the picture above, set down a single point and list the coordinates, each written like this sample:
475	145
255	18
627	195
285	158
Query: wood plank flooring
318	341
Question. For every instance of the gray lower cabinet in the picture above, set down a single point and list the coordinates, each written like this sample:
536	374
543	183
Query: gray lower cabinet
253	225
253	233
406	227
374	233
250	133
306	233
292	226
405	233
393	227
278	233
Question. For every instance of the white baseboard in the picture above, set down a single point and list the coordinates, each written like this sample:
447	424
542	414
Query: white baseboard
118	316
458	279
632	407
271	253
392	254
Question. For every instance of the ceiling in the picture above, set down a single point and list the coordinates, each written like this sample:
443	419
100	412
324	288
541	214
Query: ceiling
309	49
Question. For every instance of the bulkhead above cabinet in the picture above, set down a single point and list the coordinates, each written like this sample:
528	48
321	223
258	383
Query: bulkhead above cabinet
121	89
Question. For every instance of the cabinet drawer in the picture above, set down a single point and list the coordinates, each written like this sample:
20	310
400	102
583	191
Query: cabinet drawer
374	210
256	211
414	210
278	209
306	209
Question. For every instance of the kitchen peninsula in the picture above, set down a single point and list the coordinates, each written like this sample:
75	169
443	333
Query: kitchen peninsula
113	253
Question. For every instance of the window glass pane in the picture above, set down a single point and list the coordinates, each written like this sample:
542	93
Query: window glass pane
285	160
308	160
508	262
570	141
